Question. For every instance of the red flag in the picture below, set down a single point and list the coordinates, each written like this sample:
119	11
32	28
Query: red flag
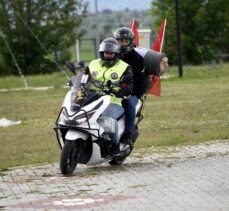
155	87
160	38
134	29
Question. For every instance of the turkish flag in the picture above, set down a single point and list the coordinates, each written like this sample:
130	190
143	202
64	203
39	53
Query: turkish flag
155	86
134	29
160	38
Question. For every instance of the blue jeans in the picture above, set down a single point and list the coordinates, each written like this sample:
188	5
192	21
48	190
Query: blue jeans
114	111
130	113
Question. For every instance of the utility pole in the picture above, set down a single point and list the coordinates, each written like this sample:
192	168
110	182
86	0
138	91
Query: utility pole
179	52
97	37
78	50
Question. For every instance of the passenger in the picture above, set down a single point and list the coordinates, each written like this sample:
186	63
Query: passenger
141	80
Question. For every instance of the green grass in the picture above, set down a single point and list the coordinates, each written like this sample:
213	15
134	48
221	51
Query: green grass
33	141
190	110
56	79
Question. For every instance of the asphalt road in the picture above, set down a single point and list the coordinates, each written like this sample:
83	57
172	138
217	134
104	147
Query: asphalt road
172	178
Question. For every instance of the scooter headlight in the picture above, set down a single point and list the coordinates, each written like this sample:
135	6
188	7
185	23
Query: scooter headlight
63	116
83	118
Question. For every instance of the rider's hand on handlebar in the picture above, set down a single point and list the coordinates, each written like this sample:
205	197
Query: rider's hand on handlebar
108	91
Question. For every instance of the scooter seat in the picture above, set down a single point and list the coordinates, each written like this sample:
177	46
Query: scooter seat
121	115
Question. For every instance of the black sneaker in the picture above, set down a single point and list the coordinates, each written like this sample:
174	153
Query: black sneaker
116	148
128	140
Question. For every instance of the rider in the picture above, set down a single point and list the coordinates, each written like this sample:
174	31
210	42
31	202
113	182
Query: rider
141	79
112	76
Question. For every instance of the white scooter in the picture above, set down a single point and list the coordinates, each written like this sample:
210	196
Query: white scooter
83	133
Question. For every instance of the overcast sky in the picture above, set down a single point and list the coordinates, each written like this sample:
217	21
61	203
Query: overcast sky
119	4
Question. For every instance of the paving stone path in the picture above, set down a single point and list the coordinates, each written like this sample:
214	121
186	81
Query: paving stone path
168	178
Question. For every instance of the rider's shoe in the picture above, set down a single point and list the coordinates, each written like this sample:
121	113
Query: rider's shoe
116	149
128	140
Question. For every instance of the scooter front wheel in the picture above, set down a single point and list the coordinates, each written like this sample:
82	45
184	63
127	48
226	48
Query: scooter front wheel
69	157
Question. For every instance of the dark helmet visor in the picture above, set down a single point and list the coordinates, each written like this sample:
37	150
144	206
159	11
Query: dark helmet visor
109	47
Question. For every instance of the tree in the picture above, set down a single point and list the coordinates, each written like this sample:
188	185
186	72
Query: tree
204	28
31	26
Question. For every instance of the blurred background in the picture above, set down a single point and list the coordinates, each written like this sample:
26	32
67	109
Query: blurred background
119	5
37	36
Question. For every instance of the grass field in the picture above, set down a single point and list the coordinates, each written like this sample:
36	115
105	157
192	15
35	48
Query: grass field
190	110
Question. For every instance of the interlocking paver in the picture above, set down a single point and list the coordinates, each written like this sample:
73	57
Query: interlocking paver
175	178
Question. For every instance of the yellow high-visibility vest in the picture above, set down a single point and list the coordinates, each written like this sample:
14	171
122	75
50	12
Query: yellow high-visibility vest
102	74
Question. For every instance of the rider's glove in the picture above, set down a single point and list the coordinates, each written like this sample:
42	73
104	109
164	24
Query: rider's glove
122	93
106	91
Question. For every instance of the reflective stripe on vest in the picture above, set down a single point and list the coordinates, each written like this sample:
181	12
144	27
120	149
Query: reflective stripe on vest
101	74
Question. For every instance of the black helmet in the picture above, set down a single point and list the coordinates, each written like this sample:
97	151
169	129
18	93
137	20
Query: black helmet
109	45
127	34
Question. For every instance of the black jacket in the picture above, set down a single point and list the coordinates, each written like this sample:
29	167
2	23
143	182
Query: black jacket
140	78
126	83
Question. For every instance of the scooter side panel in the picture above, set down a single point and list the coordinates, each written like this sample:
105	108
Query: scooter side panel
121	126
96	155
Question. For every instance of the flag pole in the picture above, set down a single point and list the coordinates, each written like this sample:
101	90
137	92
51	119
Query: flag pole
162	42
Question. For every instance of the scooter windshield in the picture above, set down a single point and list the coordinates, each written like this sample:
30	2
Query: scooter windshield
81	79
80	89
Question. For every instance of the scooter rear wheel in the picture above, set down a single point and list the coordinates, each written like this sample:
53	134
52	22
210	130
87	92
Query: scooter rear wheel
69	157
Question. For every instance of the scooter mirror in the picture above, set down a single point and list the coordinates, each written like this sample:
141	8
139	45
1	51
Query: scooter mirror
71	66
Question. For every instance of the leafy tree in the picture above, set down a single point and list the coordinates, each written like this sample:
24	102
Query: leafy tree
32	26
204	28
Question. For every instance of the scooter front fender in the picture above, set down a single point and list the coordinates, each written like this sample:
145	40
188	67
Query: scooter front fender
73	135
